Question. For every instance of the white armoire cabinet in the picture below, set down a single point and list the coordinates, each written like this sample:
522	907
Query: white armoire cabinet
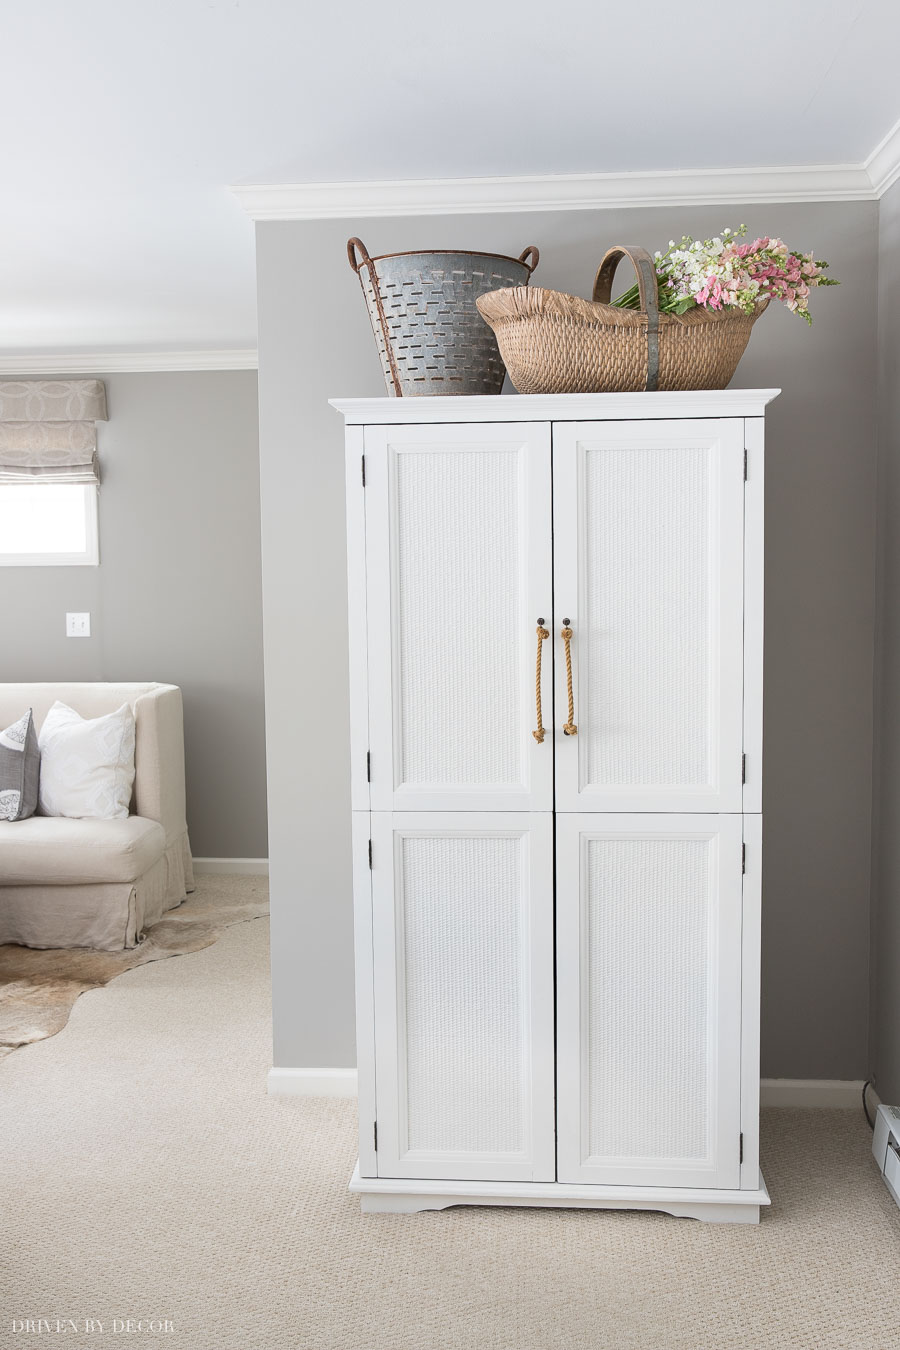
557	934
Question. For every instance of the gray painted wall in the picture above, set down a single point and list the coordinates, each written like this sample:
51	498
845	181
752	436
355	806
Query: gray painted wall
177	594
315	342
885	1060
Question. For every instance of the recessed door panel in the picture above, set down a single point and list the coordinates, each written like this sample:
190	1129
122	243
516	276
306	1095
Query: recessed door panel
649	573
648	1002
458	540
463	955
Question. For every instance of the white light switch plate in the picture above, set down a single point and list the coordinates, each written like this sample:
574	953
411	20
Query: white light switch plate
78	625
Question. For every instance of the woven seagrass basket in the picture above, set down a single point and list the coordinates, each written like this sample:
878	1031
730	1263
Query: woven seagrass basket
429	334
554	343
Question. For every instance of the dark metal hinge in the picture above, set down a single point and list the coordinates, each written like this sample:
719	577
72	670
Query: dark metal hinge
745	468
368	766
743	768
370	855
375	1133
741	1158
743	857
363	463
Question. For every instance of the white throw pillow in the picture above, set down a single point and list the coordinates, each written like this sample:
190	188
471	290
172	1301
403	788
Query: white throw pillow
87	765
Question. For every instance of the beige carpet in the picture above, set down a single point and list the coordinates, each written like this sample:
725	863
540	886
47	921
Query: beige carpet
145	1174
38	988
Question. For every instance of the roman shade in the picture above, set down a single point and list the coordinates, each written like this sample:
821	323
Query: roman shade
48	430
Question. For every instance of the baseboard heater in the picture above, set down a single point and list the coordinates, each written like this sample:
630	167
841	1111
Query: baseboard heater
886	1147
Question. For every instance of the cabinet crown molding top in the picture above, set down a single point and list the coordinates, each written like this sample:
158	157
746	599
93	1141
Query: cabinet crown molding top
555	407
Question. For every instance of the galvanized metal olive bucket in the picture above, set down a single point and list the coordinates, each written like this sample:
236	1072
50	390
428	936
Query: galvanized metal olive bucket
430	336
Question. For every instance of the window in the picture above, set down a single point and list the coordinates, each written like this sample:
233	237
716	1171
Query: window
48	524
49	471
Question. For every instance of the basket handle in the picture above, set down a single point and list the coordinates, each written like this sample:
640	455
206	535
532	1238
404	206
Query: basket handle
534	252
648	291
353	245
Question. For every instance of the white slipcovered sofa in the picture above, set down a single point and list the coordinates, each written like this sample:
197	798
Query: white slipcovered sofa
100	883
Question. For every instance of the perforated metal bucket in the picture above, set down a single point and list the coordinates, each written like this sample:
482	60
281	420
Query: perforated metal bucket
430	336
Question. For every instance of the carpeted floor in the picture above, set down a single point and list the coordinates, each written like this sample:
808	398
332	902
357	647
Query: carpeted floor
145	1174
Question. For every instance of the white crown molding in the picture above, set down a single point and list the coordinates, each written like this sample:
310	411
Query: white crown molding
113	363
883	165
555	192
867	181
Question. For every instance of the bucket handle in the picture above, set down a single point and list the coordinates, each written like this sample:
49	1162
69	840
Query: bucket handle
357	244
529	257
534	252
648	292
354	245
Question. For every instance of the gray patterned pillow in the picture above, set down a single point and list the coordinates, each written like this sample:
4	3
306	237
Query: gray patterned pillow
19	762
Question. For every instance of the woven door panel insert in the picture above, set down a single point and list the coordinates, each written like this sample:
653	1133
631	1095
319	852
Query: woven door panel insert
649	911
647	580
458	587
464	923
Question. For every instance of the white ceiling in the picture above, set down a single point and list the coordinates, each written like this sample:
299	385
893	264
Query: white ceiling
125	121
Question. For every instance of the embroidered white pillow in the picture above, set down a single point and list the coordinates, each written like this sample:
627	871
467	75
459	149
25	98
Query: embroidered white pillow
87	765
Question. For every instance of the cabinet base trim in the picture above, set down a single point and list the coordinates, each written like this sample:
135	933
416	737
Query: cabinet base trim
392	1195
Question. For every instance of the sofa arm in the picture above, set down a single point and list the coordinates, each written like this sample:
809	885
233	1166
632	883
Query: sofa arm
159	759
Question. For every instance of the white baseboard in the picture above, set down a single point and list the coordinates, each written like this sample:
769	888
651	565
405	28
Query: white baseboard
232	867
773	1091
846	1092
312	1082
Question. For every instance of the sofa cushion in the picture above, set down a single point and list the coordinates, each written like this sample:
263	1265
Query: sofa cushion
48	849
19	761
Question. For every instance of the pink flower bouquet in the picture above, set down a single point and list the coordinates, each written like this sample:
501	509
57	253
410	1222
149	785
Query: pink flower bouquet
722	272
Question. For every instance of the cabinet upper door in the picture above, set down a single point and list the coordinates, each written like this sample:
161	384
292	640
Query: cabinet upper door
459	569
648	569
648	942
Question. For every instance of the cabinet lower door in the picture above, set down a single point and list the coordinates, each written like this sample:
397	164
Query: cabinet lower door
463	963
648	999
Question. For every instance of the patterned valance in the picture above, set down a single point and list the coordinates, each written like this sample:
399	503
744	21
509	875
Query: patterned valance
48	432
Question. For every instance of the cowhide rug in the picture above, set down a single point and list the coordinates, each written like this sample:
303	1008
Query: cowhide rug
39	988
